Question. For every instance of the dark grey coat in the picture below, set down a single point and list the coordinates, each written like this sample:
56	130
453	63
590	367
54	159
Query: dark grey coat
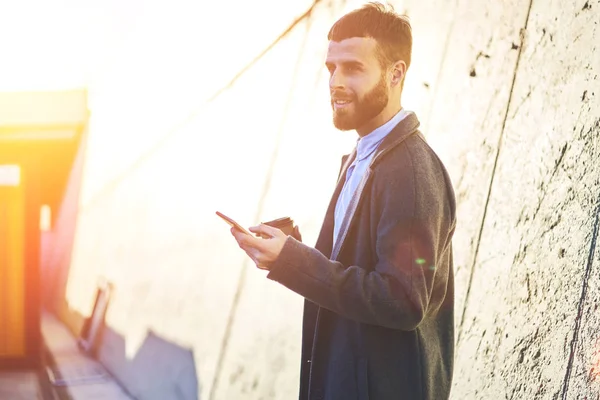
379	308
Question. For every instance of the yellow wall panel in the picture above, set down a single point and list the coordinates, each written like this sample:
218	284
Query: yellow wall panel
12	272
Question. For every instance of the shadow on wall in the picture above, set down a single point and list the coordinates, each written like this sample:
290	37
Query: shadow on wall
57	244
159	370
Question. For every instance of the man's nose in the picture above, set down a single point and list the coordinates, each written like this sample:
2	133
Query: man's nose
336	81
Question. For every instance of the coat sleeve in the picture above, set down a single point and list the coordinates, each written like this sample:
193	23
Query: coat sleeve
414	224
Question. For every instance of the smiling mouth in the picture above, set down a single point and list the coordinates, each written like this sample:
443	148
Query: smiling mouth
339	103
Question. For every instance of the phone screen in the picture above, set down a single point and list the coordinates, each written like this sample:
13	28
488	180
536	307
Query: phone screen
232	223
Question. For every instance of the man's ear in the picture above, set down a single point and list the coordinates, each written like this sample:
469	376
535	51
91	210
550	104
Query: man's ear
398	72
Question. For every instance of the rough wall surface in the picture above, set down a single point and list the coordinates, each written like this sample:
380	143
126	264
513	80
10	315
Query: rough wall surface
509	96
533	263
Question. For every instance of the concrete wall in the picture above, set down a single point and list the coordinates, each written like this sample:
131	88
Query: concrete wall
528	325
508	94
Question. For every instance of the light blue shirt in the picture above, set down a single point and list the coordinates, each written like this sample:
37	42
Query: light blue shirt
365	150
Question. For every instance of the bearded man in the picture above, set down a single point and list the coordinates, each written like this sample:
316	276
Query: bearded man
378	285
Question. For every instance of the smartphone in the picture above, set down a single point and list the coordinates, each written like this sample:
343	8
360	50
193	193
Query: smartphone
233	223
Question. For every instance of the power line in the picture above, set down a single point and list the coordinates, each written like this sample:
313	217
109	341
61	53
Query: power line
182	123
265	51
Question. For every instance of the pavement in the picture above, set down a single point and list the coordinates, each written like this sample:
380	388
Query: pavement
20	385
68	374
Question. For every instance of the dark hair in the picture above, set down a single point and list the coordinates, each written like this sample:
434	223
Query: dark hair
392	31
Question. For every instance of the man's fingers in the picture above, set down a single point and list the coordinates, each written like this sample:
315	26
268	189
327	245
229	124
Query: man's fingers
252	246
245	240
266	230
253	255
239	236
262	252
256	256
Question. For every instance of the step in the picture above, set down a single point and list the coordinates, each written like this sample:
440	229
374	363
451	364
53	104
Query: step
73	374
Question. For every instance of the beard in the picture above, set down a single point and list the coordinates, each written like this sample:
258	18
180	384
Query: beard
361	110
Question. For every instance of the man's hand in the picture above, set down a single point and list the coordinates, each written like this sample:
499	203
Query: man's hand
262	251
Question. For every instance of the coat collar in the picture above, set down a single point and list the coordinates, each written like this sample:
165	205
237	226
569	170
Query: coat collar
406	127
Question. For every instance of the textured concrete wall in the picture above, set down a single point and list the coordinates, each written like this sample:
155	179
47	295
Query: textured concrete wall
529	329
508	94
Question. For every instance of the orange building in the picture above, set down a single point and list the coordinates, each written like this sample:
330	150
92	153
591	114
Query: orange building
39	137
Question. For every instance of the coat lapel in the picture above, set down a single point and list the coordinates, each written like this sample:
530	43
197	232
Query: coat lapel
404	129
325	241
349	215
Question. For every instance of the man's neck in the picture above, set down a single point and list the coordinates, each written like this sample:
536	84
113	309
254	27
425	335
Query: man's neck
383	117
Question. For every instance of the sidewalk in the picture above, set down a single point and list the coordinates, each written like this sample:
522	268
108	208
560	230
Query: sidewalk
21	385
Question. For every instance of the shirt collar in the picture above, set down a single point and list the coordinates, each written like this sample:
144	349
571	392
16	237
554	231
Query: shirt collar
368	144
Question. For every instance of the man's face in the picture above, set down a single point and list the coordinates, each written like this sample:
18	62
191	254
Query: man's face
359	91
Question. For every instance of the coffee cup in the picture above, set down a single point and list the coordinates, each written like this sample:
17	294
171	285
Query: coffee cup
286	224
